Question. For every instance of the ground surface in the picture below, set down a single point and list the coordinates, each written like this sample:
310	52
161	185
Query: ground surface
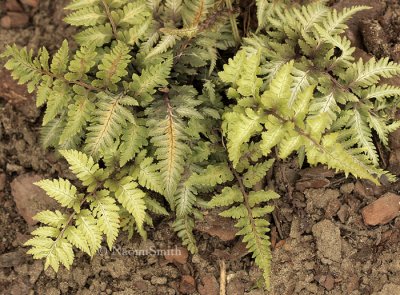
321	243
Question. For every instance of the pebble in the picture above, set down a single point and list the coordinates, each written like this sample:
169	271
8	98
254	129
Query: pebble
29	198
187	285
2	181
217	226
13	5
382	211
327	236
14	20
179	255
347	188
209	285
158	280
31	3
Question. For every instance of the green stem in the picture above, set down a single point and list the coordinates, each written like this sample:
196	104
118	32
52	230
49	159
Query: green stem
232	19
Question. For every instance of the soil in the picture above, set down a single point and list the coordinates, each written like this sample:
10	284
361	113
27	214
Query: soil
321	244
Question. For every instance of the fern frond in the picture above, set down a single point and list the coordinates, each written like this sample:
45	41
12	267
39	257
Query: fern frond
310	14
82	63
334	23
239	129
106	211
132	199
78	116
53	251
255	173
166	42
55	219
149	175
62	191
113	66
95	36
184	229
80	4
87	16
107	123
211	176
133	13
168	137
144	86
380	92
60	60
369	73
134	137
77	239
362	135
84	168
227	197
87	225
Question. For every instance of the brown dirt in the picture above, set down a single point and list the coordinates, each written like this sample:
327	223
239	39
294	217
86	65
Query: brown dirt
321	244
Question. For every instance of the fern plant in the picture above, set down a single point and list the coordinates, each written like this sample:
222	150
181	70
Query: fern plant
294	87
125	96
140	112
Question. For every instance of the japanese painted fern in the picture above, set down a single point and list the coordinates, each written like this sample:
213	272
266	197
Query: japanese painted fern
139	111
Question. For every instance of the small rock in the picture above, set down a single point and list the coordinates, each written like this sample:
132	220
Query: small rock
2	181
319	171
235	286
332	208
18	287
317	182
360	190
343	213
382	210
141	284
14	20
218	226
329	283
11	259
158	280
209	285
13	5
32	3
347	188
29	198
327	236
180	255
320	198
187	285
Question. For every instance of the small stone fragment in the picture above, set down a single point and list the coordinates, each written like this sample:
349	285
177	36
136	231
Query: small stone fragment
11	259
347	188
29	198
329	283
327	236
343	213
209	285
2	181
318	182
332	208
13	5
383	210
179	255
319	171
31	3
187	285
14	20
158	280
218	226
